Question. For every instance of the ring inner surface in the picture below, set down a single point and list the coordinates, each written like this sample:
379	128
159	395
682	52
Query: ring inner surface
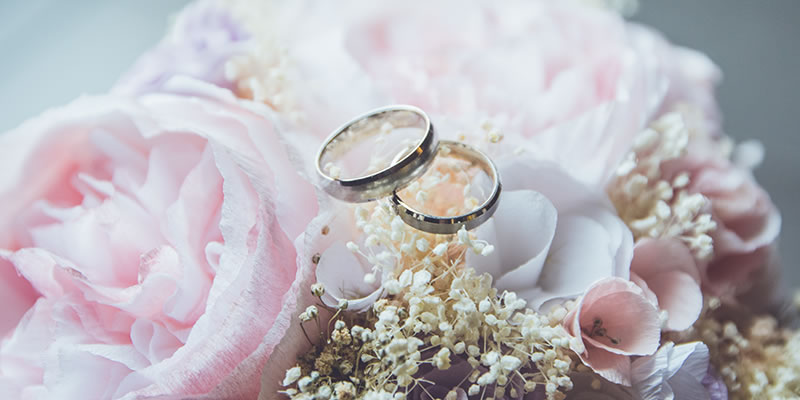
373	144
459	182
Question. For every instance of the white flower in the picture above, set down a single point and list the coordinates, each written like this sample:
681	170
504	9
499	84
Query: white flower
440	249
547	230
442	358
421	278
673	372
292	375
405	278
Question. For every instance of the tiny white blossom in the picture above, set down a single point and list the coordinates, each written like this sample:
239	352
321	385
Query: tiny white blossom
442	358
393	286
463	237
292	375
440	249
312	312
397	224
421	278
485	305
405	278
317	289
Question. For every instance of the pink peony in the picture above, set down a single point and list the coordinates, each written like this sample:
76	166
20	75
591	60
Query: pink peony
614	320
152	238
566	83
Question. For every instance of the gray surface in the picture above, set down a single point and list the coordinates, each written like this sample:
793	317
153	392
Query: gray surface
756	45
55	50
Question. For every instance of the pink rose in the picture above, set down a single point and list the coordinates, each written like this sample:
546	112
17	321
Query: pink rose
614	320
153	242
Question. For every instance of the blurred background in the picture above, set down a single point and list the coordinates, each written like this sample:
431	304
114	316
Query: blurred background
54	50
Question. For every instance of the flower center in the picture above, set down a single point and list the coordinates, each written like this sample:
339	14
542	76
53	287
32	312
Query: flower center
598	330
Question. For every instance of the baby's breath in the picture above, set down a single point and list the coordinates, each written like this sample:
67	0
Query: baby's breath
653	206
437	311
755	356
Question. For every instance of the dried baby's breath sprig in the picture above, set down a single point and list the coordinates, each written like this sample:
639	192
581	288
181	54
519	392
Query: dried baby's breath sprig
755	356
652	206
262	73
437	313
507	346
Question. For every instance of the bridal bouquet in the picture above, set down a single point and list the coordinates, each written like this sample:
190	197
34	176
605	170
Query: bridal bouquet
171	240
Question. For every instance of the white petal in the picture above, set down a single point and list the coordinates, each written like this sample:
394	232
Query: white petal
649	373
524	225
342	273
579	242
690	358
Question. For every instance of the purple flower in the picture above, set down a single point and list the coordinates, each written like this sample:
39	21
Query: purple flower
715	385
203	38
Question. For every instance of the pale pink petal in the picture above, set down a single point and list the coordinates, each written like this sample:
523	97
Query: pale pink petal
621	305
653	256
16	294
90	371
669	270
628	317
20	357
293	343
614	367
153	340
680	295
646	289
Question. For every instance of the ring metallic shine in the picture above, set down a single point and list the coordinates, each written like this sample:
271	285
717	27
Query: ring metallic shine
404	169
471	220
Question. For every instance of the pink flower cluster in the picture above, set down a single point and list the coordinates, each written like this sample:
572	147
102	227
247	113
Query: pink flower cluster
160	241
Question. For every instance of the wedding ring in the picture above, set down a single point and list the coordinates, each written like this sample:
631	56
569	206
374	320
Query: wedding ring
470	220
403	168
